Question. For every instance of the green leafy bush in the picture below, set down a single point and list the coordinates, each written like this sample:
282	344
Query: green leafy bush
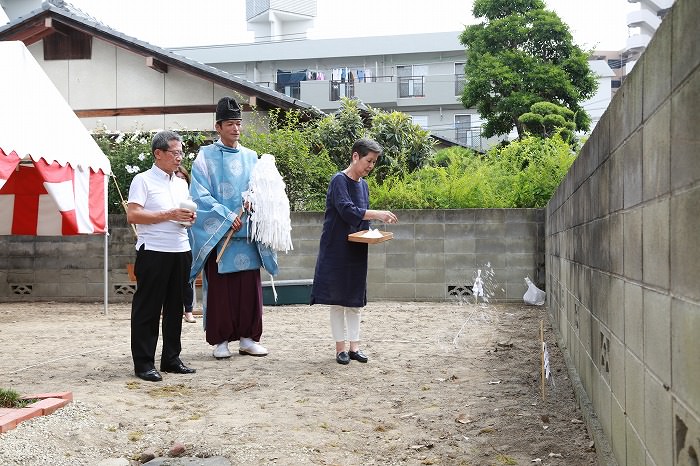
305	174
406	145
336	133
130	153
526	173
523	174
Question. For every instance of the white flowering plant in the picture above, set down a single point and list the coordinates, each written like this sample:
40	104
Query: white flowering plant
130	153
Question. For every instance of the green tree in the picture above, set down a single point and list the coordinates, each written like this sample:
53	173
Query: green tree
546	120
519	55
336	133
406	145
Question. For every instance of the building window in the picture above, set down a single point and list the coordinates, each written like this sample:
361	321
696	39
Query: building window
615	63
420	120
463	129
411	80
459	78
288	82
75	45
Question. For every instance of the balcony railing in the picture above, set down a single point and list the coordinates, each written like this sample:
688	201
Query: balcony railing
470	137
433	91
293	90
411	86
341	89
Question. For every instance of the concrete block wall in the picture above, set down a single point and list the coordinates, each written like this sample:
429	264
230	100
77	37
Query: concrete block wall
434	256
623	255
435	253
70	268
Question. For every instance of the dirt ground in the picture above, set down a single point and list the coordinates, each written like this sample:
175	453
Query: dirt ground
446	383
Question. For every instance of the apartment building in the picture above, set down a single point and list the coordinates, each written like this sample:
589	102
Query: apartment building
418	74
643	24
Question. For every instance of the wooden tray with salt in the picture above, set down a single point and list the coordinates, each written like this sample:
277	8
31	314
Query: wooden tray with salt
370	237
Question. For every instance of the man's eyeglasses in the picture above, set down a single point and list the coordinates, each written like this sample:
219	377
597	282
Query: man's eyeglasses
176	153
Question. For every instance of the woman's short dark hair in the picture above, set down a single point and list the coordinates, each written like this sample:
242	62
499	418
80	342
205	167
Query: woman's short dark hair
364	146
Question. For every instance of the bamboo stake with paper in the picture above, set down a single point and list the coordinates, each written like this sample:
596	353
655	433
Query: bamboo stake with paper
542	351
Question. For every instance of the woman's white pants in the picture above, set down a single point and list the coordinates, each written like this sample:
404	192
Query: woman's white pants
340	316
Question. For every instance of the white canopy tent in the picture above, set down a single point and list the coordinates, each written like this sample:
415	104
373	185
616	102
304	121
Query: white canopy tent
53	175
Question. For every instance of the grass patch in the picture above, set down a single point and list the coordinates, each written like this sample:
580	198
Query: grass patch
505	459
11	399
170	391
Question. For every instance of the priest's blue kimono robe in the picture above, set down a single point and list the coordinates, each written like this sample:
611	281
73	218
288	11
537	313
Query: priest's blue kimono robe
220	175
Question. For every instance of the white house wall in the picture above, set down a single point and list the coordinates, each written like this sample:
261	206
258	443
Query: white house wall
93	83
138	85
182	88
56	70
117	78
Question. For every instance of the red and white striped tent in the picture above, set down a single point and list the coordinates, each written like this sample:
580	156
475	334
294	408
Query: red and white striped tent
53	175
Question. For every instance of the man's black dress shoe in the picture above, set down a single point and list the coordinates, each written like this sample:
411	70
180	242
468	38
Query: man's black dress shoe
342	358
178	368
151	375
357	356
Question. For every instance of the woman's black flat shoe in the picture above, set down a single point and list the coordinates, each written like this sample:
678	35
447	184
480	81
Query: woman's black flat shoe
357	356
343	358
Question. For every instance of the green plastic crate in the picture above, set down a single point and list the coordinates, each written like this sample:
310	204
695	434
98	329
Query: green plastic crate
288	292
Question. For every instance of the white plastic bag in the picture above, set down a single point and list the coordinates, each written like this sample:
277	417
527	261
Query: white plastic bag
533	295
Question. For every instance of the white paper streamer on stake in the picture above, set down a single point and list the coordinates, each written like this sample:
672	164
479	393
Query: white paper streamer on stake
547	372
478	288
269	221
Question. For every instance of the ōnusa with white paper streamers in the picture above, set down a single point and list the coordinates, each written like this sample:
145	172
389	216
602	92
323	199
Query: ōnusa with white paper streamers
269	220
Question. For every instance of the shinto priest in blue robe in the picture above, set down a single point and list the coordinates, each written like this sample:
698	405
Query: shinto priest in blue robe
220	175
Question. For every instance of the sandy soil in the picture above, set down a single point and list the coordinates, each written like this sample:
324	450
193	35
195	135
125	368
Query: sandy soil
446	384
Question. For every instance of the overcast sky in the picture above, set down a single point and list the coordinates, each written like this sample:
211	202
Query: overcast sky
599	24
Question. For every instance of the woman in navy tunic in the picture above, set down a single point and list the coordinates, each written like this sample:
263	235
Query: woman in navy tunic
340	279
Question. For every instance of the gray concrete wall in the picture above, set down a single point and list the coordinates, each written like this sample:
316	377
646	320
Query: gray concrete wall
433	257
623	255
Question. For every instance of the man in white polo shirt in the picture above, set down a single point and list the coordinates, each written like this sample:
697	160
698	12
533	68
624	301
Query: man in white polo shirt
163	259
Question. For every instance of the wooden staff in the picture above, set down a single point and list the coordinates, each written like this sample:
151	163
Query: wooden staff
228	237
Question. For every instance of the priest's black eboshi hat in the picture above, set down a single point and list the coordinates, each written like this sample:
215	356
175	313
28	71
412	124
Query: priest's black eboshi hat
227	109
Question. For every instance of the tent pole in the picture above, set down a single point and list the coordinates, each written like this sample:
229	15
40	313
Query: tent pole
106	258
106	275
